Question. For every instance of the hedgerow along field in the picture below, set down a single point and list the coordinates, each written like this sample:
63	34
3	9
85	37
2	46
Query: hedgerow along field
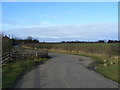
104	54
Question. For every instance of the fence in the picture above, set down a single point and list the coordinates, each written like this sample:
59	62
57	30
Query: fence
21	56
4	57
28	56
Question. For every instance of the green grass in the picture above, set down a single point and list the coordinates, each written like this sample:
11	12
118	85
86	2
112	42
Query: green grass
39	60
110	72
11	72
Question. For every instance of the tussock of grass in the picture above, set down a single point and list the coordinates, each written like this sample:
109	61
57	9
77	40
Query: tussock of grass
110	72
39	60
11	72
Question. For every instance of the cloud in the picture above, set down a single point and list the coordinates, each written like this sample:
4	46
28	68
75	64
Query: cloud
97	31
44	23
10	22
47	37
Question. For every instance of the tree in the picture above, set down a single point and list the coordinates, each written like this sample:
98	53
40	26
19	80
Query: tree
35	40
30	38
101	41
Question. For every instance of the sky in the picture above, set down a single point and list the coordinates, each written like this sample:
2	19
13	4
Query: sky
61	21
60	0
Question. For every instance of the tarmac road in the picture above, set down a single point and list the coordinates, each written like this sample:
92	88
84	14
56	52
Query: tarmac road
64	71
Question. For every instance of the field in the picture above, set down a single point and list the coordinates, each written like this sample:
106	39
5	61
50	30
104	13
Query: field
99	49
105	54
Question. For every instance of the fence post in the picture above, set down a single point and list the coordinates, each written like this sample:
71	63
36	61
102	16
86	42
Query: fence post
36	55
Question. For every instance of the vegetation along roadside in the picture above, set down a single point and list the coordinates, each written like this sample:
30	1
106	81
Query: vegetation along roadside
12	71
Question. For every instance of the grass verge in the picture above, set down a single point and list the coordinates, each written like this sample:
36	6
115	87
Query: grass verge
110	71
11	72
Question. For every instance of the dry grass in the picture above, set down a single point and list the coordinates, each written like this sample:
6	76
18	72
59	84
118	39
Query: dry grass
104	49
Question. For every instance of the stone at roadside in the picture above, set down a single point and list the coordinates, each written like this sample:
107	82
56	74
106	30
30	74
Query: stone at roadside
105	65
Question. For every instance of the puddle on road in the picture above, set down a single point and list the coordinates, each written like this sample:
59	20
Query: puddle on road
91	67
81	60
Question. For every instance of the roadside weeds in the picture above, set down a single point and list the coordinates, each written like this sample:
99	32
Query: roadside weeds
13	71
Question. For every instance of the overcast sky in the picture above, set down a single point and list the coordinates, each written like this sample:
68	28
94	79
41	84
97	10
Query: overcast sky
50	21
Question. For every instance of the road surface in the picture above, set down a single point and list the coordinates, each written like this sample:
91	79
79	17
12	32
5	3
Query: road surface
64	71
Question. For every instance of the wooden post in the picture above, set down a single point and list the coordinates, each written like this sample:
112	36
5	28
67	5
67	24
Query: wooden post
36	55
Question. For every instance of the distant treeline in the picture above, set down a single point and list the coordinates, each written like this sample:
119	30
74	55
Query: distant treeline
100	41
28	40
8	43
